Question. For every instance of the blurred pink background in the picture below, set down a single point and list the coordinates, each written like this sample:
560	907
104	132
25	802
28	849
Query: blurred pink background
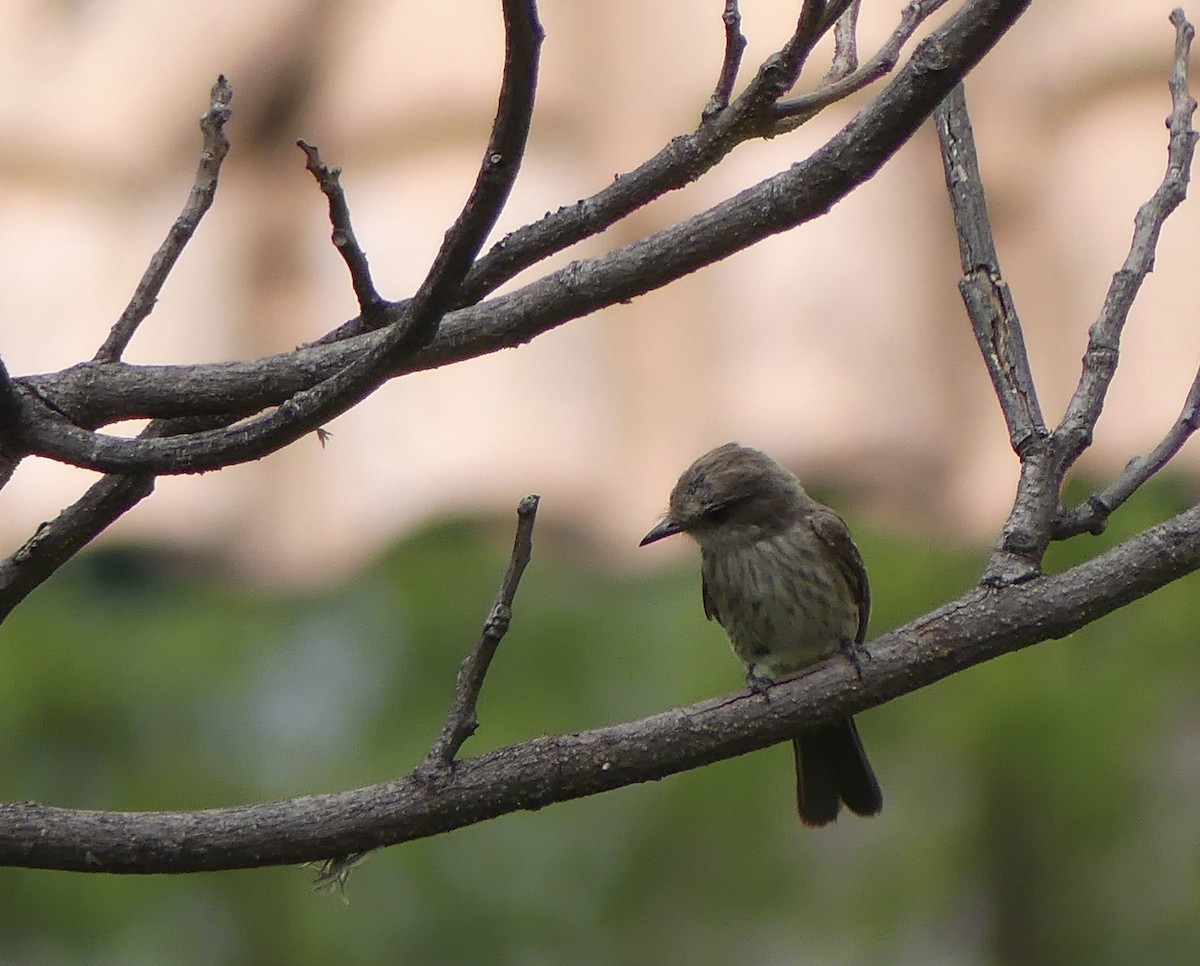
841	347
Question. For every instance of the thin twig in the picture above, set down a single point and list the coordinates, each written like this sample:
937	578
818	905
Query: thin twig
1104	336
1092	515
986	295
344	240
780	72
735	46
204	189
845	45
802	108
462	720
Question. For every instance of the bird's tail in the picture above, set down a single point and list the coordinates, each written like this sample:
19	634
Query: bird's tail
831	768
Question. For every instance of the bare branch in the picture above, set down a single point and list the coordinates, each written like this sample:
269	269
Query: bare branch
845	45
735	46
754	114
497	174
816	19
304	411
677	164
58	540
10	416
10	409
1092	515
1037	516
462	720
344	240
801	193
986	295
204	189
1104	336
338	829
799	109
533	774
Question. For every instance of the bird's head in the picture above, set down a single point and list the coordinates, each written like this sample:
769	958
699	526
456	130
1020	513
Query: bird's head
731	494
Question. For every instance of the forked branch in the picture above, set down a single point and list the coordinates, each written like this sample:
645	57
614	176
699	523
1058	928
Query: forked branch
1037	515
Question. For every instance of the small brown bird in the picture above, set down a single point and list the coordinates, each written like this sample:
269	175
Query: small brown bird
780	574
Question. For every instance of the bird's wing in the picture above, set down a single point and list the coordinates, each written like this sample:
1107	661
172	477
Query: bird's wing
710	607
831	529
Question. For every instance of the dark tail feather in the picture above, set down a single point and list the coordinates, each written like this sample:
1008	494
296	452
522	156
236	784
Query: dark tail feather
831	768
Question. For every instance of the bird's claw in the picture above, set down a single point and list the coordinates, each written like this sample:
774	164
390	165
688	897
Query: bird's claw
758	682
855	653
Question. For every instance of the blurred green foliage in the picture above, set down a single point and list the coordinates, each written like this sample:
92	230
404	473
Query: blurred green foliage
1040	809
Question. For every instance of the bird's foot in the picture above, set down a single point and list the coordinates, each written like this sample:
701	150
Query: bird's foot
855	653
758	682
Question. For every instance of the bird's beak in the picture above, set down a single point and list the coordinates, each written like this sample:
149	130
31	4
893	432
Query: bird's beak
665	529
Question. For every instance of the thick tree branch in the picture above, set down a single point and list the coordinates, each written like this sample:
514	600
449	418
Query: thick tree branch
980	625
10	409
986	295
10	420
57	541
792	197
259	435
204	190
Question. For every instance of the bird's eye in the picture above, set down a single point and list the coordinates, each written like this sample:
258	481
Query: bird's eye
718	514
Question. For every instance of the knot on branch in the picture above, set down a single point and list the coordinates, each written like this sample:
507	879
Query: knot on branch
1100	513
496	625
930	55
1008	568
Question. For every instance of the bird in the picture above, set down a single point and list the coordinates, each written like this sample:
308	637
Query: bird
781	575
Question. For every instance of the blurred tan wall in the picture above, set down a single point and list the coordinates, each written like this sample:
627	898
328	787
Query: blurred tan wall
842	347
